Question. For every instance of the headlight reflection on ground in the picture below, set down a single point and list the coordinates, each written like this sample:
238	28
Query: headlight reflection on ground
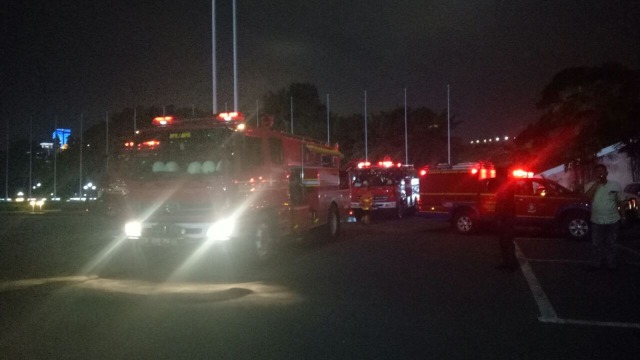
257	293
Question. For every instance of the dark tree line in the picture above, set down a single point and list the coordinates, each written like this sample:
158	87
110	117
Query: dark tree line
585	109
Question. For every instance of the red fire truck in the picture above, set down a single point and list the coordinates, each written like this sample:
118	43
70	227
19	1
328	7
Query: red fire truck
215	180
395	186
465	195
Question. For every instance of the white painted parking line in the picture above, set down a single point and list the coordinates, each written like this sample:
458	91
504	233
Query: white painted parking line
547	312
544	305
559	261
628	249
590	323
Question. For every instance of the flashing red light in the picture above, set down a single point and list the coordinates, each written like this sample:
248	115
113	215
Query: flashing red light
163	120
386	163
423	172
474	171
151	144
363	164
230	116
519	173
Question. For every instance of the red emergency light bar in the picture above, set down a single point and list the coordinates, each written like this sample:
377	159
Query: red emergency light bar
484	173
150	144
230	116
519	173
385	163
388	164
163	120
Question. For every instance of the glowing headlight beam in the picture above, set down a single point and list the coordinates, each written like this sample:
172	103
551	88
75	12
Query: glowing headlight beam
133	229
205	246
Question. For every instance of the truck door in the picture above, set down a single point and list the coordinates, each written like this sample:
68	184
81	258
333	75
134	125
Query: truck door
532	206
300	209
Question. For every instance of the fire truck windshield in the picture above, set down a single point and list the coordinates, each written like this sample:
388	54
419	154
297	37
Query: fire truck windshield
376	177
193	153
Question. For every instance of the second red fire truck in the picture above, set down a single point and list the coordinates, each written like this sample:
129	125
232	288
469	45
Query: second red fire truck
395	186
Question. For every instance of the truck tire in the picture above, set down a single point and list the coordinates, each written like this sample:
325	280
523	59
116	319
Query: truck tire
333	222
576	226
259	246
463	222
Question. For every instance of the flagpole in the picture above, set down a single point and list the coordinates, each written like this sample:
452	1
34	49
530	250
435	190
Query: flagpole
366	149
292	114
448	128
235	60
106	121
213	57
80	171
6	175
30	153
406	146
328	127
55	157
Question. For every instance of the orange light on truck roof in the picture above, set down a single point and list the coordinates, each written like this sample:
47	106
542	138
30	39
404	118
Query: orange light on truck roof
150	144
230	116
163	120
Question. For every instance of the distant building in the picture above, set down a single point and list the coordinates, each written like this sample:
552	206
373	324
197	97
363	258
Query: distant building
61	136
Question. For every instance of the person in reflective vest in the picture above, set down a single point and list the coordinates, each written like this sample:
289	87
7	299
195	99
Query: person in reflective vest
366	202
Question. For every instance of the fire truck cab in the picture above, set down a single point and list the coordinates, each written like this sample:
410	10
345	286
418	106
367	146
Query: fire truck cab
395	186
465	195
215	180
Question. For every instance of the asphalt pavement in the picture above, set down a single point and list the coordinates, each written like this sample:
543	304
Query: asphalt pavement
401	289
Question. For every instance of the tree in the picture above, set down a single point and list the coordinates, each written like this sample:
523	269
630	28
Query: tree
309	113
585	110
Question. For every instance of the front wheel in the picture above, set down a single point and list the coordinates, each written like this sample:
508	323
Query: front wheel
333	223
463	222
259	246
576	227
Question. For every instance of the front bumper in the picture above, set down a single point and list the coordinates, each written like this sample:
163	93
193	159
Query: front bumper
178	234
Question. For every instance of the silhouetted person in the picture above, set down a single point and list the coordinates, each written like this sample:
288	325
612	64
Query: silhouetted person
506	216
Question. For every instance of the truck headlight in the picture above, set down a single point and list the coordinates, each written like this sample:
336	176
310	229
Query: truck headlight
133	229
221	229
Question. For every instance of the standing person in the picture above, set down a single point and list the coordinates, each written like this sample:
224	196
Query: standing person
366	202
506	216
605	196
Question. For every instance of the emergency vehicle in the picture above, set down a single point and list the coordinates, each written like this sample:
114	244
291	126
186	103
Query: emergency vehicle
395	186
215	180
465	195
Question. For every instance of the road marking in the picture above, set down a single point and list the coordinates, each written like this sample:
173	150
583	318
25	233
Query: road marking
590	323
560	261
547	313
628	249
544	305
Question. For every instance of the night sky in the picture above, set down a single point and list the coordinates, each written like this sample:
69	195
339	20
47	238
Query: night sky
62	58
